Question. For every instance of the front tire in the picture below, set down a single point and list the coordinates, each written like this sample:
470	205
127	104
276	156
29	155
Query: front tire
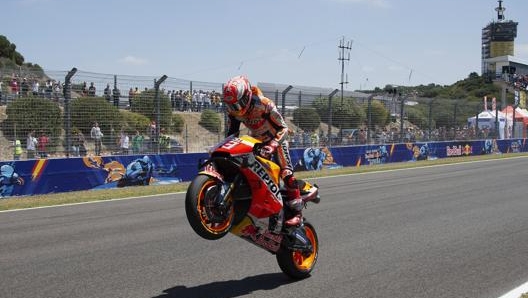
296	264
200	208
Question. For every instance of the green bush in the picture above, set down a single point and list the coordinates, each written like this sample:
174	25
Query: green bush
177	123
27	114
87	110
134	121
145	104
210	121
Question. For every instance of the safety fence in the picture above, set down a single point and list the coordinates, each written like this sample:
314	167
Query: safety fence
160	114
42	176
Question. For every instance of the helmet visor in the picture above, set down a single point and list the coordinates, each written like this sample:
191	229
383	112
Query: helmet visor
239	105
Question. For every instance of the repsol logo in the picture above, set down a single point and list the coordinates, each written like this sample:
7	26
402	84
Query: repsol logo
261	172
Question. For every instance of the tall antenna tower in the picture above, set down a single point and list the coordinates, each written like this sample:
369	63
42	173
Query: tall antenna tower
344	55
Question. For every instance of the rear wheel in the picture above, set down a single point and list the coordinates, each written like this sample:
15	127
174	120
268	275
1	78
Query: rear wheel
298	264
206	218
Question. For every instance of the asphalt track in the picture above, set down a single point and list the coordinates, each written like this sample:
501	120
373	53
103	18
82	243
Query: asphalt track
444	231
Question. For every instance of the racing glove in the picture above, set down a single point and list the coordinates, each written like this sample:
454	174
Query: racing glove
269	149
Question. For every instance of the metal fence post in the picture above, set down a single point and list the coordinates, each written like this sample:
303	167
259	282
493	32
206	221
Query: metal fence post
67	112
284	99
330	116
430	119
158	116
369	112
402	104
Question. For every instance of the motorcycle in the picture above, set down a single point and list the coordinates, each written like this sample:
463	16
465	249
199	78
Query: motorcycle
138	172
240	192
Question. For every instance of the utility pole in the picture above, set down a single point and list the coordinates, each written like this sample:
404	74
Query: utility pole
344	56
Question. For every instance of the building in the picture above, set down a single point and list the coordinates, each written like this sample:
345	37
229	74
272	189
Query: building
498	47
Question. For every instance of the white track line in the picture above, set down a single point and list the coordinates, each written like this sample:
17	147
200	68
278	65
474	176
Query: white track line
517	292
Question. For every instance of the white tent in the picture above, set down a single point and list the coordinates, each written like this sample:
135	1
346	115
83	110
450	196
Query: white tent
487	120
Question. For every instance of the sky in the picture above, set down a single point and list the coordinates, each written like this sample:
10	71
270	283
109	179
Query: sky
392	42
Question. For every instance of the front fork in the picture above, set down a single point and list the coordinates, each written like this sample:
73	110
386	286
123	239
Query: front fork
224	198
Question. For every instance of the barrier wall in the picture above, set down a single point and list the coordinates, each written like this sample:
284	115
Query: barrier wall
43	176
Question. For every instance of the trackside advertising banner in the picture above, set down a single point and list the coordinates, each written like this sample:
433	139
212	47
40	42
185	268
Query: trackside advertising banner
43	176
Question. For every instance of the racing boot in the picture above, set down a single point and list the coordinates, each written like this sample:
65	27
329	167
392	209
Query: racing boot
295	203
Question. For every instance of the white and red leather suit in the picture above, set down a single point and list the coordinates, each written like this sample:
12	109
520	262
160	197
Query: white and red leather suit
266	124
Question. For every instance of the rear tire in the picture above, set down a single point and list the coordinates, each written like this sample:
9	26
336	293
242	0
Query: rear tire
198	206
296	264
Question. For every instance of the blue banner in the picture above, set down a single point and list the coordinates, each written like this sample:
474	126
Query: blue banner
43	176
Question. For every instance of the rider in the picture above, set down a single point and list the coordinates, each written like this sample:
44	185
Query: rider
140	170
247	104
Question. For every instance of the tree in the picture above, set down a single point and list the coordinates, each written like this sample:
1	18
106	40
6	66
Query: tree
346	114
417	117
8	50
379	114
306	118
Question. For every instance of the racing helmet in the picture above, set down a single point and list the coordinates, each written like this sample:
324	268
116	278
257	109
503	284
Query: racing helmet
237	95
146	159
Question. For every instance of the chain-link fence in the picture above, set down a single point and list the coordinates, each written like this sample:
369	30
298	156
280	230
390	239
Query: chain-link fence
53	114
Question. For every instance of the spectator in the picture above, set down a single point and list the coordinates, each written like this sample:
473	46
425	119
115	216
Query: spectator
18	149
31	145
187	101
152	135
108	93
14	86
165	143
137	143
42	145
178	101
206	104
172	96
195	101
84	89
91	90
49	89
362	136
79	148
35	87
57	87
24	87
130	97
97	136
124	142
116	94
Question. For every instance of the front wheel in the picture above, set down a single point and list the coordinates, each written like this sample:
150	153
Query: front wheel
207	219
298	264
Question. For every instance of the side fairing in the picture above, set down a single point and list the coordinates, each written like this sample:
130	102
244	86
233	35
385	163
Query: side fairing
237	146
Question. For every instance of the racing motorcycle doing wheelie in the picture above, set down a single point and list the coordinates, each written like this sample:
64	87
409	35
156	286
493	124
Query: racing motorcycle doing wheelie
239	191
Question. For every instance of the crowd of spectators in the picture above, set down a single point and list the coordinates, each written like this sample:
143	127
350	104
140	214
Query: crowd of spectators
23	87
519	82
195	101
